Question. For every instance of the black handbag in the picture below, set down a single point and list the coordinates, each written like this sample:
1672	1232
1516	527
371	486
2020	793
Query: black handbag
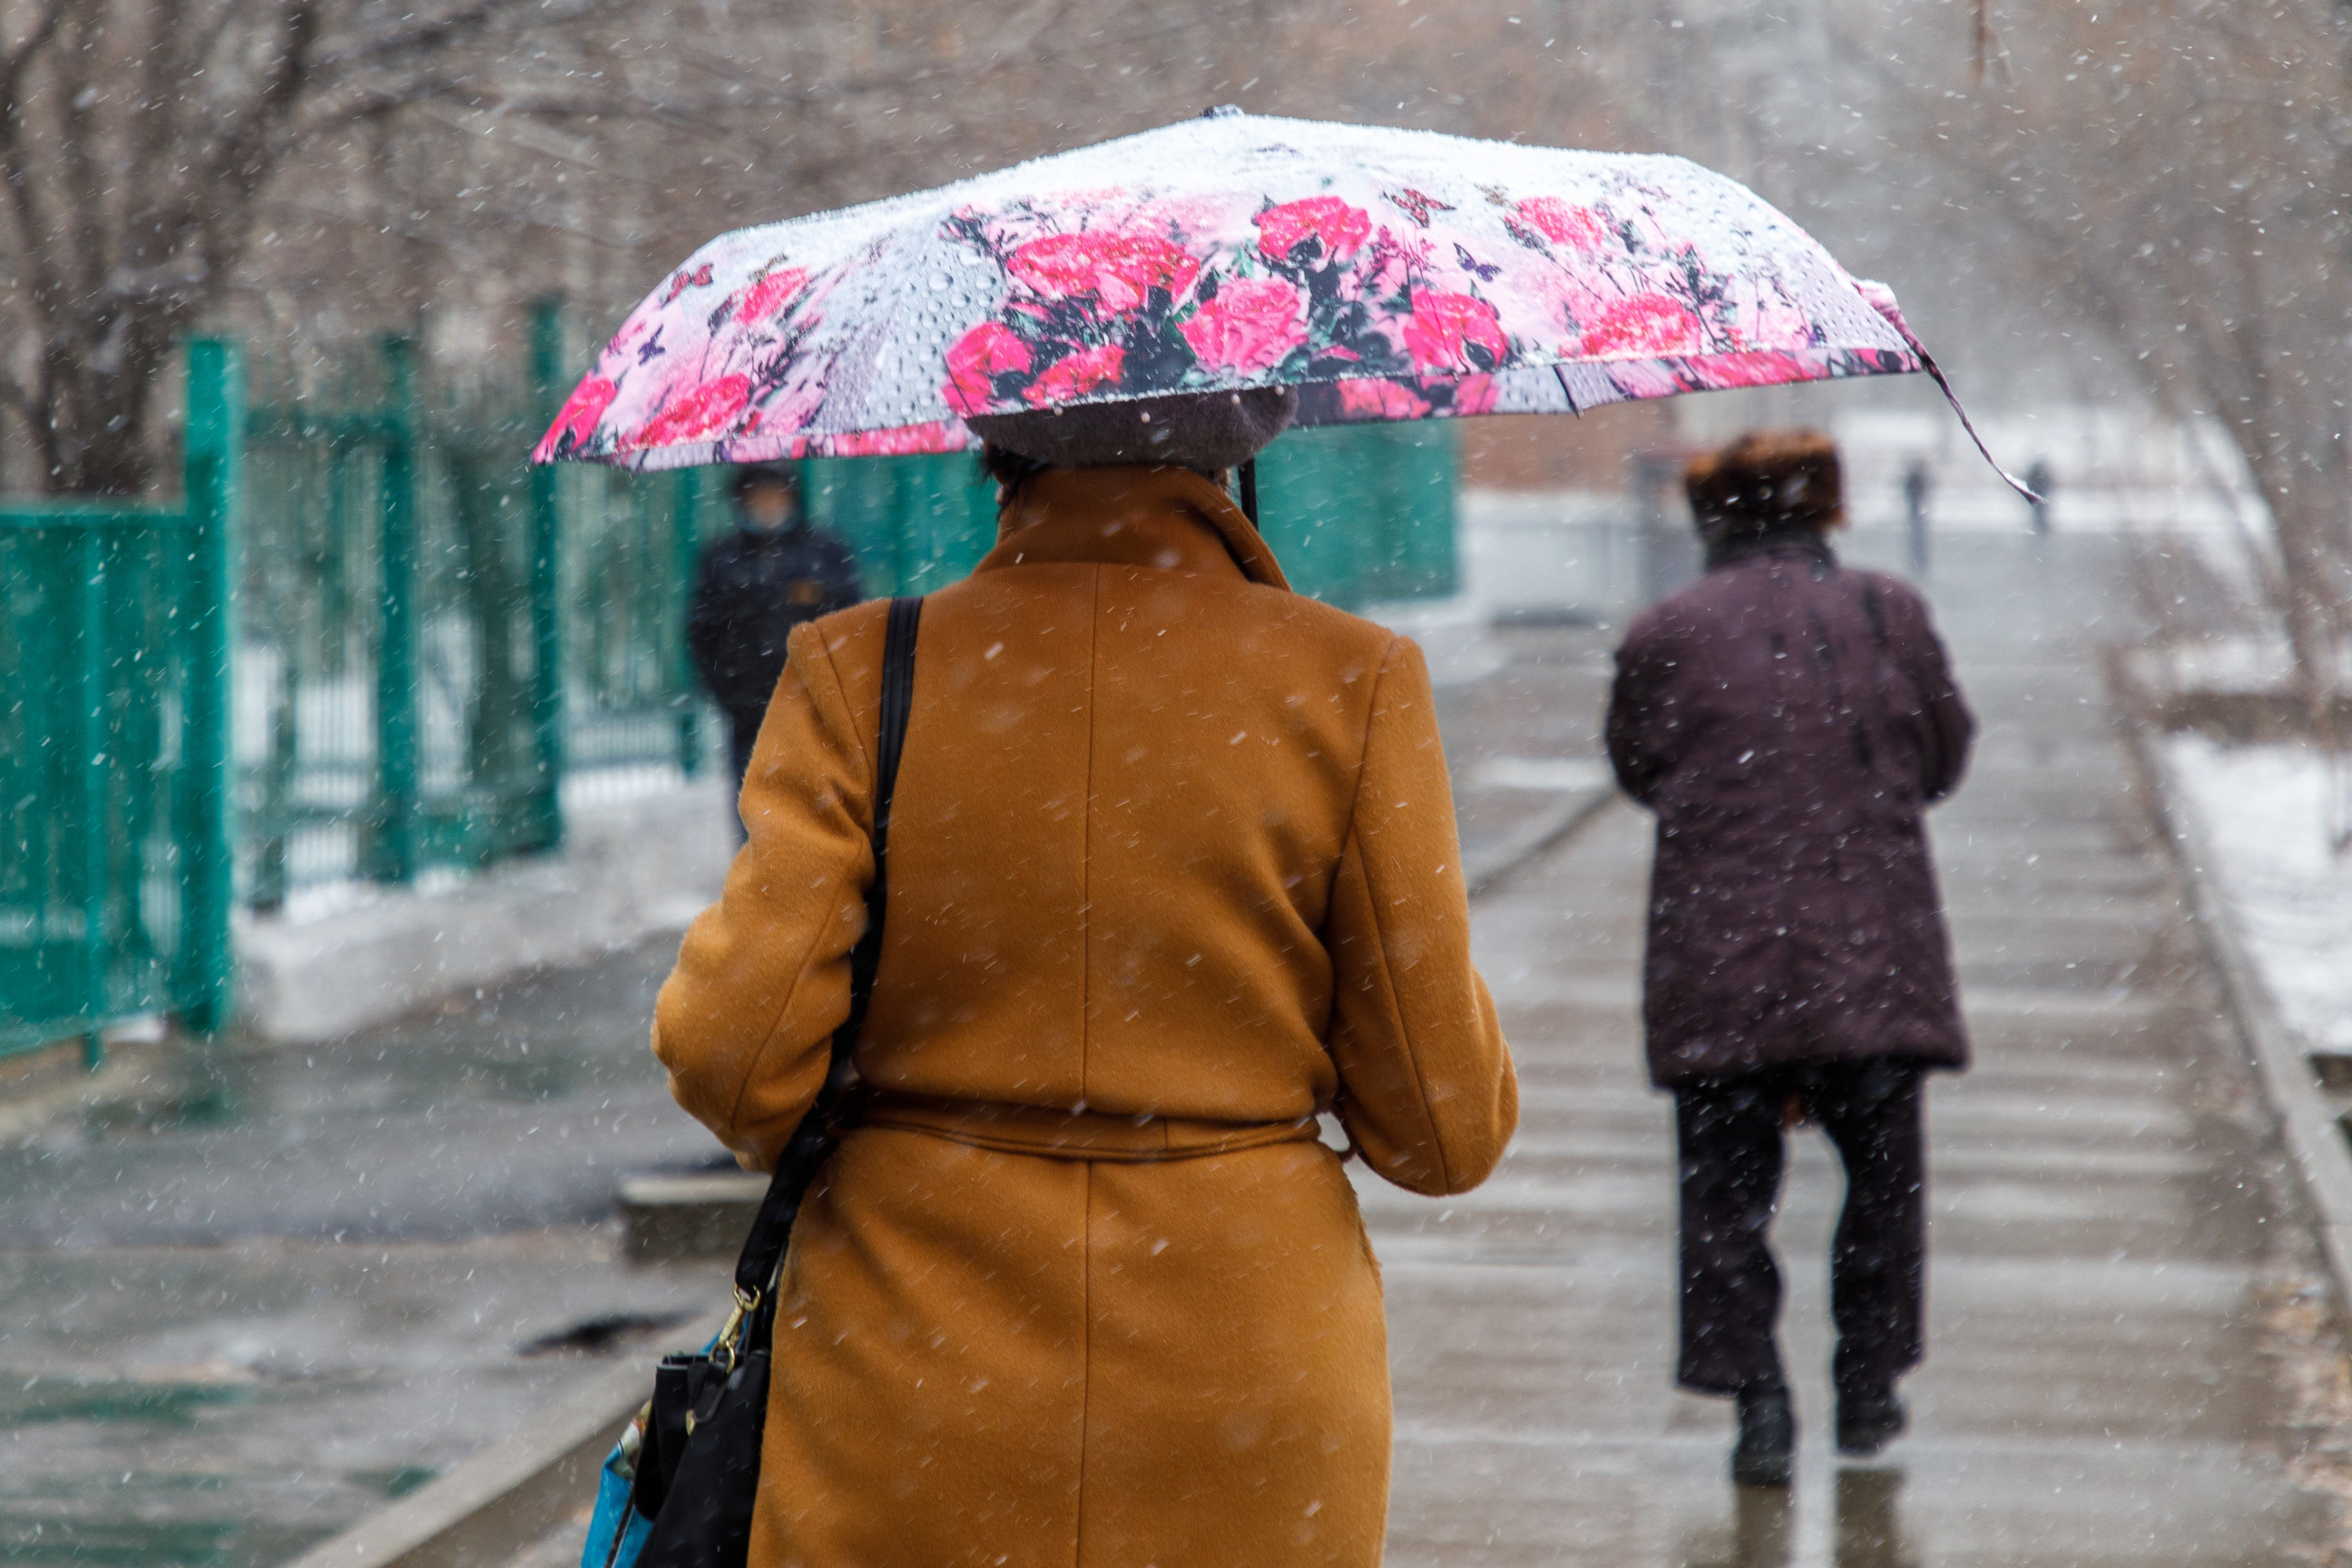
698	1463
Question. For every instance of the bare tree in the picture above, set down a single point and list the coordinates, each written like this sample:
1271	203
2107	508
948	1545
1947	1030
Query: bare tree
624	146
316	169
136	139
2172	174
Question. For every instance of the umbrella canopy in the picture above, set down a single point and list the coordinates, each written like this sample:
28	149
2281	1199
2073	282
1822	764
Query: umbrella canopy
1388	274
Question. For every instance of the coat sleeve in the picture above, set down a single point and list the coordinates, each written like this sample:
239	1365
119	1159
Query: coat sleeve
745	1022
1948	728
1426	1089
1643	725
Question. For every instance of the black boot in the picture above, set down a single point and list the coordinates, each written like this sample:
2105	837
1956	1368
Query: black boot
1869	1419
1766	1454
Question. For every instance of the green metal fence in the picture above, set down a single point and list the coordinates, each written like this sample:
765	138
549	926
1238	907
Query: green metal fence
115	813
1357	514
439	642
437	636
1362	514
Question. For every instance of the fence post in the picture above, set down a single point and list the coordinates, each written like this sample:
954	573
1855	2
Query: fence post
393	853
213	482
546	576
90	769
685	551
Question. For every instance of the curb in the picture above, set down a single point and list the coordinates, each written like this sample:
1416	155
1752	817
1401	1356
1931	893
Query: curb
510	1494
630	870
1482	873
2315	1142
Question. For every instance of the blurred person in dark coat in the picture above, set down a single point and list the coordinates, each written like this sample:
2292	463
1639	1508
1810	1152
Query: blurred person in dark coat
1918	485
1789	720
752	587
2043	480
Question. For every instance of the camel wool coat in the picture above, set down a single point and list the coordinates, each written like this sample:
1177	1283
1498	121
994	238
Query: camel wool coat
1173	869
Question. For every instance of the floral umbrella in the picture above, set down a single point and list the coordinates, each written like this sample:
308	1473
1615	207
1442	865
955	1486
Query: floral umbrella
1388	274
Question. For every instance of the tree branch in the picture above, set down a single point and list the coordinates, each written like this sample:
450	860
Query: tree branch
45	27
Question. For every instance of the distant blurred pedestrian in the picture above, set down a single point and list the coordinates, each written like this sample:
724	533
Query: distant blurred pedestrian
1919	484
2043	480
751	589
1790	719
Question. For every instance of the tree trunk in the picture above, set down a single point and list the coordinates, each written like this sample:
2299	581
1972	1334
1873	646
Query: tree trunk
2304	487
92	412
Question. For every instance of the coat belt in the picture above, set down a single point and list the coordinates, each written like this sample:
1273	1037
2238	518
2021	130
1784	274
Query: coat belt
1076	1134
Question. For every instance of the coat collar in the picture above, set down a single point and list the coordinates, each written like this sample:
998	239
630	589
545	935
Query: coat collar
1803	543
1170	519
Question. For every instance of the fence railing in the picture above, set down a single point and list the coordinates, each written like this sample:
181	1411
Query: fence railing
115	812
431	640
436	635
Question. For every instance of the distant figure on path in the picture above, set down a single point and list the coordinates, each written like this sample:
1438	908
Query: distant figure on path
751	589
2043	480
1919	484
1789	720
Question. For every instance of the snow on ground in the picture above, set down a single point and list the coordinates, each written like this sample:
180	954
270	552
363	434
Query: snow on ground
2266	814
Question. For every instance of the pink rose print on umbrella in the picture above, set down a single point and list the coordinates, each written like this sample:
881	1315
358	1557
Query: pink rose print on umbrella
1453	331
1341	229
1251	326
1773	324
768	295
977	359
1643	325
1557	221
1365	398
933	436
1760	368
1119	270
697	415
577	422
1073	376
1474	394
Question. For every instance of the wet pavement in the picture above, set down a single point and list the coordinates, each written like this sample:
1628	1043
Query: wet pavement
297	1283
496	1111
232	1404
2130	1355
288	1286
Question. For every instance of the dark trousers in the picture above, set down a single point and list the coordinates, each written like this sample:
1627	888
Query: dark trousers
1729	1134
743	733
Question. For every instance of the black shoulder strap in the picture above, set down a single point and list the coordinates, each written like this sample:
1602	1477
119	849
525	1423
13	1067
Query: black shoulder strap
812	1139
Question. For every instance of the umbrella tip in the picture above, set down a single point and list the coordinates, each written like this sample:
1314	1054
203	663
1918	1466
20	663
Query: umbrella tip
1221	111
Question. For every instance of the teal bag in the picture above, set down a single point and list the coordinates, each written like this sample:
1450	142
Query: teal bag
616	1532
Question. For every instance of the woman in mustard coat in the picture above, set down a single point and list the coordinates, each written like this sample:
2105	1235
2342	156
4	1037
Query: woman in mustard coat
1172	870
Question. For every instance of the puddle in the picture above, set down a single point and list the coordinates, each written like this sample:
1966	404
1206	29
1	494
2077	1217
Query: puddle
47	1399
394	1483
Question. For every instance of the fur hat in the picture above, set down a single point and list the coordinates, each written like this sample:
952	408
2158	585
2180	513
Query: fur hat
1202	430
1768	482
752	474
